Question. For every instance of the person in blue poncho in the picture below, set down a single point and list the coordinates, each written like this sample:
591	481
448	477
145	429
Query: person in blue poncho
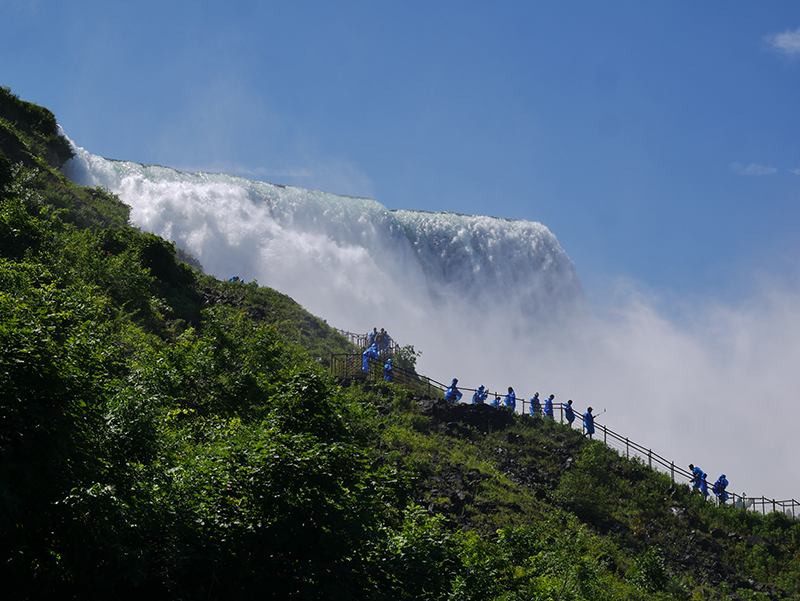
452	394
496	402
372	336
511	400
370	353
387	371
548	407
588	422
719	488
480	396
569	413
697	476
536	406
704	485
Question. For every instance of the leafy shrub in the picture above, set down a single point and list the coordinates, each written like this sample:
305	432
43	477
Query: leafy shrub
406	358
55	369
649	572
419	560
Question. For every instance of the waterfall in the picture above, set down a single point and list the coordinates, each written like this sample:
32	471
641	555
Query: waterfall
435	280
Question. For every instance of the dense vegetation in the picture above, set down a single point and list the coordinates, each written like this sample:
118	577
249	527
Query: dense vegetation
165	434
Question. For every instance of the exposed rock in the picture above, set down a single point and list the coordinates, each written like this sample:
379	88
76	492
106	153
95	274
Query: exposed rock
771	548
455	416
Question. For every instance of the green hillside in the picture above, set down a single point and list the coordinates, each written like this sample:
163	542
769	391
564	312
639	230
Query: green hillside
166	435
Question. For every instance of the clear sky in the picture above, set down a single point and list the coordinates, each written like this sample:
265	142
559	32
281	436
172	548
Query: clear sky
659	141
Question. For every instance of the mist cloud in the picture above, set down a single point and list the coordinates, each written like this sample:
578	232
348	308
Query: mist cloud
716	386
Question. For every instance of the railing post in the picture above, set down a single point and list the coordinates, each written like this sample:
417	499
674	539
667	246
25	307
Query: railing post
626	447
672	470
605	435
650	457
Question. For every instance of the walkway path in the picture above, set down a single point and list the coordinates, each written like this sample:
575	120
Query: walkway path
350	366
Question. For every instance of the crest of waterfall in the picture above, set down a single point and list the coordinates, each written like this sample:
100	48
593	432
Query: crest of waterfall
431	279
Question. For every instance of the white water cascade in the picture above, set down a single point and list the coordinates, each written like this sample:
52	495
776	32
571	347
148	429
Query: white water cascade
439	281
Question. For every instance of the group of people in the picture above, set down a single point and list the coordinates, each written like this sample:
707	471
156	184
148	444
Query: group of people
480	396
699	480
380	339
377	343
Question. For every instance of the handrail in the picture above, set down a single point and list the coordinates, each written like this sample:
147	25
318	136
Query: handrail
350	365
788	507
428	385
362	340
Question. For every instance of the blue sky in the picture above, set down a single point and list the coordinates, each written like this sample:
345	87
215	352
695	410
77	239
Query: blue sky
657	140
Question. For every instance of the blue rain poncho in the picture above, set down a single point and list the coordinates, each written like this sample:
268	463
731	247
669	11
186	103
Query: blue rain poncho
480	396
719	488
371	337
453	394
704	485
588	422
511	399
370	353
496	402
387	371
536	406
569	413
697	477
548	407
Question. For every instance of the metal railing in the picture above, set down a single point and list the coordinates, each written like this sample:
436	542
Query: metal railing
362	340
790	507
351	366
345	366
